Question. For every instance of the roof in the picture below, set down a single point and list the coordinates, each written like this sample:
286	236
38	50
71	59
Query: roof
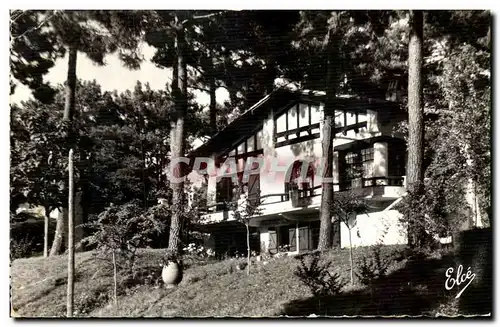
246	124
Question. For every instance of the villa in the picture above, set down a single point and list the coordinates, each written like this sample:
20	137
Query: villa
284	131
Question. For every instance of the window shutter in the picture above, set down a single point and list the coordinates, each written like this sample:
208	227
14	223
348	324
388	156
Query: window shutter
303	238
273	248
293	239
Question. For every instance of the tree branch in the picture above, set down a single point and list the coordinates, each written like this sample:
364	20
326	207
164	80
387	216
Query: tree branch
203	16
199	70
199	88
16	14
34	28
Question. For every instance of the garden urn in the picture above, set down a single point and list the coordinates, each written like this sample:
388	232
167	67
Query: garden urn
172	273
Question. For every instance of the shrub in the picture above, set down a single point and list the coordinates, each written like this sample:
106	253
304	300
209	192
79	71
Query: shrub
317	277
119	232
88	300
374	267
22	248
284	248
198	251
426	210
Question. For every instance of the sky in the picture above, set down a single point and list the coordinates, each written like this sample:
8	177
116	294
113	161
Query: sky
114	76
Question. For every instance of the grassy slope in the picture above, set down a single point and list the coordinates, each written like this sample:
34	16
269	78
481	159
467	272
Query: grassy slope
38	285
218	289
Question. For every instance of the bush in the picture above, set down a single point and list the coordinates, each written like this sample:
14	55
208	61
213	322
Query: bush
22	248
121	231
198	251
317	277
88	300
374	267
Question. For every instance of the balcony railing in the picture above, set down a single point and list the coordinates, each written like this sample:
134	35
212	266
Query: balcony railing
283	197
372	182
225	206
307	193
384	181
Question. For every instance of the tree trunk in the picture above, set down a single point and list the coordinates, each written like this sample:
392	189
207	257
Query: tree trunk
213	106
325	232
46	232
69	109
177	142
414	173
248	249
71	241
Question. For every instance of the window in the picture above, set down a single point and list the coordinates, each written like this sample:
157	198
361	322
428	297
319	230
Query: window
258	140
249	147
251	144
304	115
316	114
241	148
227	190
397	159
298	121
367	158
224	192
296	181
354	166
358	164
281	123
351	118
346	121
292	117
367	154
339	118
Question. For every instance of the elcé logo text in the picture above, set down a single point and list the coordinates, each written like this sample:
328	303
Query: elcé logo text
458	279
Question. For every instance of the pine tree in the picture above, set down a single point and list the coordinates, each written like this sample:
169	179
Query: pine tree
326	43
173	35
414	175
80	31
33	51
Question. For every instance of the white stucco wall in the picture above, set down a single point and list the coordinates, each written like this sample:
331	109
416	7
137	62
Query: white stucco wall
38	210
264	238
380	159
381	227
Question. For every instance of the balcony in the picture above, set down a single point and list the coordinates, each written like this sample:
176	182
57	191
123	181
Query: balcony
221	211
304	197
376	188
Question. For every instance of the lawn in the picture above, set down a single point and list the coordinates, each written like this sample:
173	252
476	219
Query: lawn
412	286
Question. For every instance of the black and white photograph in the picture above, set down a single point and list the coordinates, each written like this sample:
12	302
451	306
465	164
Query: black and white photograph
250	163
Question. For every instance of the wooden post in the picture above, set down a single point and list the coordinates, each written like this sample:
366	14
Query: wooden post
351	260
71	249
46	233
115	280
248	247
